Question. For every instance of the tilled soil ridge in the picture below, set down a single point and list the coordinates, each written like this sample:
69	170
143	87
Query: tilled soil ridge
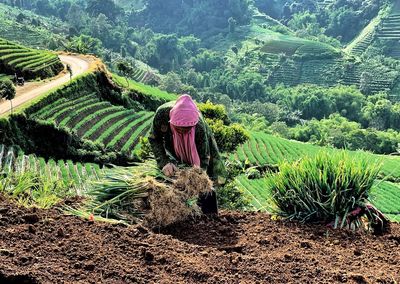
38	246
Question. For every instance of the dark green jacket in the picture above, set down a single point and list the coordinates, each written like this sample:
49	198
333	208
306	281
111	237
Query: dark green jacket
162	143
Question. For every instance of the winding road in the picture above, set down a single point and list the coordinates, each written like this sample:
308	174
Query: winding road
32	90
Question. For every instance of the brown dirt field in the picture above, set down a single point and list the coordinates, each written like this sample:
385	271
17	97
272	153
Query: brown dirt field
38	246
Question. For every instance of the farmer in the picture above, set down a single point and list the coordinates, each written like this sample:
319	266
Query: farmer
180	135
69	69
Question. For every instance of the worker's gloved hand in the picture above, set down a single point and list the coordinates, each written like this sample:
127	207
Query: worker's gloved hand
169	169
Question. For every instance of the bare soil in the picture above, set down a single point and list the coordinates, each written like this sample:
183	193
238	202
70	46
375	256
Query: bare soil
38	246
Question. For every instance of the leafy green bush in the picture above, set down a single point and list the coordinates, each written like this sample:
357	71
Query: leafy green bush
214	111
228	137
327	187
231	197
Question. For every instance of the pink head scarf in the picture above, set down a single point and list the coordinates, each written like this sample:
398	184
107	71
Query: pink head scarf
185	114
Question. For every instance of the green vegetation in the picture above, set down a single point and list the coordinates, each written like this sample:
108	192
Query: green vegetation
93	118
34	181
149	97
27	62
264	149
278	67
7	90
326	188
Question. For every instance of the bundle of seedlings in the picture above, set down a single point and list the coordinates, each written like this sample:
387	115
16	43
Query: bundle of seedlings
330	187
143	194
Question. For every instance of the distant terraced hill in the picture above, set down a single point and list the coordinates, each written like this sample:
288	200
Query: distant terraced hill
289	60
329	72
30	29
30	63
385	28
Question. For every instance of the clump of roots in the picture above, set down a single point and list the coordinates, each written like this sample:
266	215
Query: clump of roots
176	202
134	196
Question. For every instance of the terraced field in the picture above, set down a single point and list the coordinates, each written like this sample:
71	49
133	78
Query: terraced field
264	149
30	63
145	89
390	30
75	175
291	45
98	120
330	72
143	76
41	35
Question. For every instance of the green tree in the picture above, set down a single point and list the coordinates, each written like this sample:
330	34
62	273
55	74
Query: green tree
125	69
232	25
106	7
84	44
7	91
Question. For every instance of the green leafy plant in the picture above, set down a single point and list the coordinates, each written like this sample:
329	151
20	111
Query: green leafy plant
327	187
30	188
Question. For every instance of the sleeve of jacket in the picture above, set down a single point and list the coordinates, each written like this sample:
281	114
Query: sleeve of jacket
156	139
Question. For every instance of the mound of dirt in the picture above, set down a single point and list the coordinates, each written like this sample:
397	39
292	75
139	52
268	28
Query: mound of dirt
38	246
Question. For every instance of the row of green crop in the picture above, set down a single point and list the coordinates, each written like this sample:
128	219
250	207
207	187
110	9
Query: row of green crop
94	119
330	72
74	175
264	149
30	63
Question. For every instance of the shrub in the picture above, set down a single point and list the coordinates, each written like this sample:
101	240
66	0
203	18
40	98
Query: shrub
214	111
232	197
228	137
327	187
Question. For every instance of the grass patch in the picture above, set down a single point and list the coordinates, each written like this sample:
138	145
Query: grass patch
144	89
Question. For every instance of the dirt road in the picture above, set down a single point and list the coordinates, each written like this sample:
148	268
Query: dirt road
33	89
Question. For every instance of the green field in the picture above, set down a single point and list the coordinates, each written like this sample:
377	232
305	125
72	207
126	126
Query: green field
295	46
95	119
144	89
263	149
75	175
30	63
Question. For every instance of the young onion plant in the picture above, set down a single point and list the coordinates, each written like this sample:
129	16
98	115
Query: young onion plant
113	195
30	188
329	187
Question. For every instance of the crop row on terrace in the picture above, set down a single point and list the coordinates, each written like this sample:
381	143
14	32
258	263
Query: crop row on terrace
98	120
264	149
74	175
27	62
330	72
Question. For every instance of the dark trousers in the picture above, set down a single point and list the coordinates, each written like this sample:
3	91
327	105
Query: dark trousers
208	203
